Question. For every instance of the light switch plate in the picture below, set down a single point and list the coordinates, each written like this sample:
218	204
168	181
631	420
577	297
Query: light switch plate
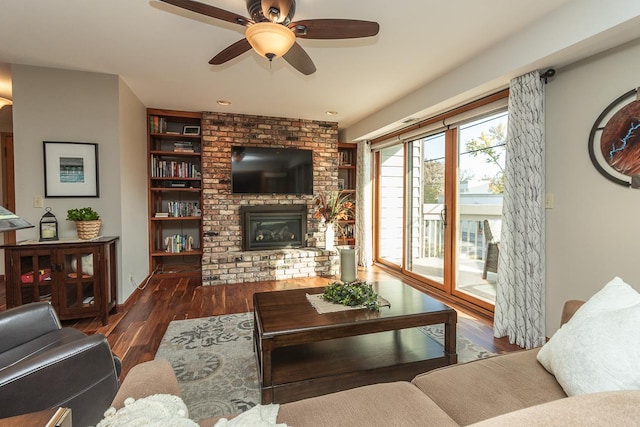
38	202
548	201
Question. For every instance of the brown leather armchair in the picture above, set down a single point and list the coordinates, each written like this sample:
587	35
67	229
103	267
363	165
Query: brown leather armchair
43	365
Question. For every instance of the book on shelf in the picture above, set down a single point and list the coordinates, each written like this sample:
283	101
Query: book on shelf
345	158
178	243
183	147
162	215
173	169
182	209
157	124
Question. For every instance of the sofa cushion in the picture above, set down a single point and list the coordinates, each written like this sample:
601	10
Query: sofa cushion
391	404
145	379
486	388
599	348
614	408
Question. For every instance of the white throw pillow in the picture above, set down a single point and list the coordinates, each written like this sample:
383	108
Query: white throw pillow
599	348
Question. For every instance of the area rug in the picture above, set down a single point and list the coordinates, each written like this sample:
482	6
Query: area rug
215	365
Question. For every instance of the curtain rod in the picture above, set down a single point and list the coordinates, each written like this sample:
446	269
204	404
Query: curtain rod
443	116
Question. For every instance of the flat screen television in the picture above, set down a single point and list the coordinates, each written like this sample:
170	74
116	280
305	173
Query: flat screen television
265	170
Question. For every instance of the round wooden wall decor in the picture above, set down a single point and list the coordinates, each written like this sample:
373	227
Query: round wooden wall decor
614	141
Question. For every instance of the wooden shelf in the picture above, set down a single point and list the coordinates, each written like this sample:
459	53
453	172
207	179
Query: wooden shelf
178	136
177	218
347	355
175	153
172	254
187	189
173	178
161	148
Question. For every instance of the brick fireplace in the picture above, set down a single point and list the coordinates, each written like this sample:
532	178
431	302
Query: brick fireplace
227	258
266	227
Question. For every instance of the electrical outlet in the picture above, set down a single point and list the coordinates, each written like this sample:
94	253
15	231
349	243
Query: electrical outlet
38	202
548	201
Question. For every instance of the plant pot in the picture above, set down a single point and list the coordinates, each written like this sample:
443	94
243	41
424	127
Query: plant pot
88	230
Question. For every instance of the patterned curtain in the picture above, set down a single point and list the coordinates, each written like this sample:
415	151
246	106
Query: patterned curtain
364	213
520	295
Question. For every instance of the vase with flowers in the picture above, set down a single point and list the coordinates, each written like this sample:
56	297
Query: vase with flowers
330	208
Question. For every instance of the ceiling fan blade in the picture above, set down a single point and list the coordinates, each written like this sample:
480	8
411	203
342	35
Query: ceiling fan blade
208	10
334	28
236	49
300	60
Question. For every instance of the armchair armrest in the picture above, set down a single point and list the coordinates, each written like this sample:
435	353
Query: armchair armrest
25	323
569	309
79	374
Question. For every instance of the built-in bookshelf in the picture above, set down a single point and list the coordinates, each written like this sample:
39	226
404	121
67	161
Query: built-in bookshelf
175	192
347	158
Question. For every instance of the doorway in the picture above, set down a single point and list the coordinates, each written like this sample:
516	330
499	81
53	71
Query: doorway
439	207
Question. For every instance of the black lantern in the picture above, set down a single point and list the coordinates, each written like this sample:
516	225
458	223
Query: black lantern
48	226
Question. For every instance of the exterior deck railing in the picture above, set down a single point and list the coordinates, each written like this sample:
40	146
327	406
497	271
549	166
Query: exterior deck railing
471	240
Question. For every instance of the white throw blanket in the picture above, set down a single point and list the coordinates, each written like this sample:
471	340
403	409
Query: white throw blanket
258	416
159	410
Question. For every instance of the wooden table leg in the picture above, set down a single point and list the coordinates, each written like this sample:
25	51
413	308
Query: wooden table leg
450	339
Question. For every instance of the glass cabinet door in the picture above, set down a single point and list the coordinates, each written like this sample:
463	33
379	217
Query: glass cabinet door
79	290
35	269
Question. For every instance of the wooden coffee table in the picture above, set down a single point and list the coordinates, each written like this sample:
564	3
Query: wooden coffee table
301	353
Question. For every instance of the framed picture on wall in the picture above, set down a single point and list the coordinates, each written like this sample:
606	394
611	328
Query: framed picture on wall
70	169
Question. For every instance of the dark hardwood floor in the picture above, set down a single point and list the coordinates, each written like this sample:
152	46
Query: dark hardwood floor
135	332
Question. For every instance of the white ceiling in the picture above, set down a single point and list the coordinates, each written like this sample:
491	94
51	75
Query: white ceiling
162	52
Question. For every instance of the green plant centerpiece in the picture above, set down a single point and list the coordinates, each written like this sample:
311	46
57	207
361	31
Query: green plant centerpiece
82	214
357	293
87	221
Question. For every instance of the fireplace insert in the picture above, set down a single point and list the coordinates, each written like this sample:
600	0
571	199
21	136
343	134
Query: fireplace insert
273	227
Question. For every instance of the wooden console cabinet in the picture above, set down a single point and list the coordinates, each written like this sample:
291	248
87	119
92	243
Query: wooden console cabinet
79	278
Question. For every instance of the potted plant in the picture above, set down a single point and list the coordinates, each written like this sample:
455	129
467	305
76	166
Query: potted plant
331	208
356	293
87	221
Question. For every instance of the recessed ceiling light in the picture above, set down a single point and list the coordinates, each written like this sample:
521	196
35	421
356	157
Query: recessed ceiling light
223	102
331	113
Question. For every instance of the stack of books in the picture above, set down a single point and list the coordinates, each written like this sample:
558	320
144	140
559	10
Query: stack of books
183	147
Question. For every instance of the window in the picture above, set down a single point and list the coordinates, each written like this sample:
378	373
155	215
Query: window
439	206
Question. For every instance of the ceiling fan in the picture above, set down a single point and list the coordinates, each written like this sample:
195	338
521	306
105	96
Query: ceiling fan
271	32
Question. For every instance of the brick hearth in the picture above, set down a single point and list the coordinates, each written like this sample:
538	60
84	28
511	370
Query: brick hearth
223	261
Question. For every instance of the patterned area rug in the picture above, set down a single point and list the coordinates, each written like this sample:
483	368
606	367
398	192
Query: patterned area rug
215	365
214	362
467	350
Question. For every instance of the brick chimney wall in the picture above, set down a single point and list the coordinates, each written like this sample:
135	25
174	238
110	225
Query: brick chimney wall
223	260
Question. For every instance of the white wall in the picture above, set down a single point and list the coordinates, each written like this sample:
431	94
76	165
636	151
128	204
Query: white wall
592	231
62	105
133	190
578	29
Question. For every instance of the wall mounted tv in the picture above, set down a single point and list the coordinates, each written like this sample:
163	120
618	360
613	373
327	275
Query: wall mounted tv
261	170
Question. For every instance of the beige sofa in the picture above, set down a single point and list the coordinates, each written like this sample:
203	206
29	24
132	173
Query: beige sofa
504	390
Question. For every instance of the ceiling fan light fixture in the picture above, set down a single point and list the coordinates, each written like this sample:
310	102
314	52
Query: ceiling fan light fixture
5	101
270	40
